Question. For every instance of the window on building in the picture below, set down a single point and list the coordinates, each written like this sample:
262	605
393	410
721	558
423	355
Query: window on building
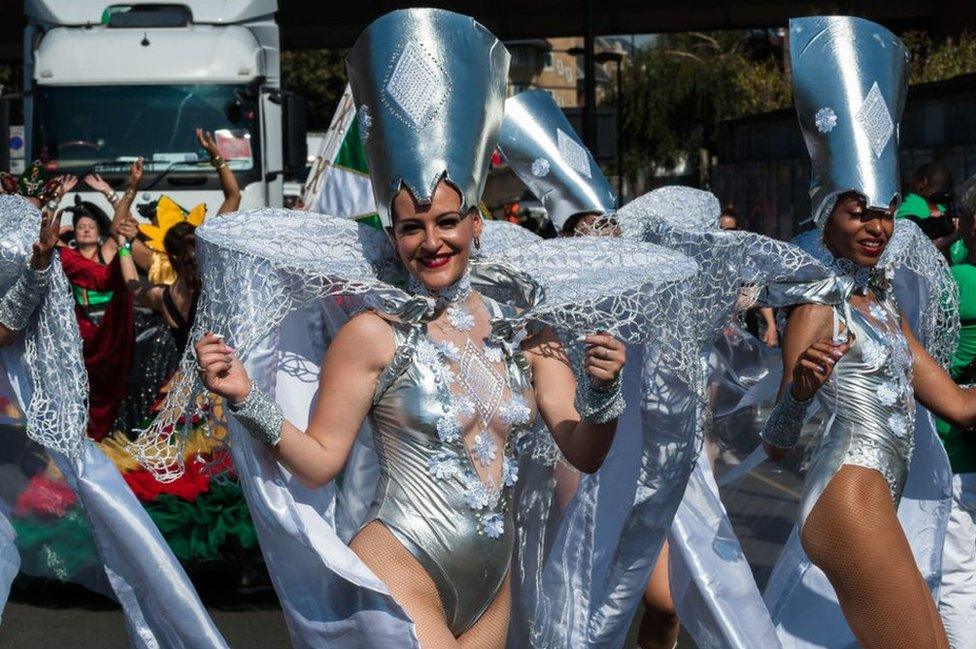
547	60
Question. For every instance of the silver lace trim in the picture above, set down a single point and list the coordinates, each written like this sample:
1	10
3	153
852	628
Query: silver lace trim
260	415
23	297
598	406
785	422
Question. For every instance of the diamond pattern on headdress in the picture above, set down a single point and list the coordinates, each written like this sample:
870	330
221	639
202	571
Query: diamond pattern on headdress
573	153
874	118
417	85
481	382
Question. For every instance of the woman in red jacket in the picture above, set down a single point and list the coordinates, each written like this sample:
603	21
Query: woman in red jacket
103	308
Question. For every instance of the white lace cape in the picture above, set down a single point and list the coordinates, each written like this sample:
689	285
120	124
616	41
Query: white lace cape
737	271
57	414
258	266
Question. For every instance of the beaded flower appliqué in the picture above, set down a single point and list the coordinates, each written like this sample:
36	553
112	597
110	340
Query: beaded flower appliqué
473	388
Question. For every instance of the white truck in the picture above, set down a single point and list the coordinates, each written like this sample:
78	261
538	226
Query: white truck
105	83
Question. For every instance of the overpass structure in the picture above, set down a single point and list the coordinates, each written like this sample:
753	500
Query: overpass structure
336	24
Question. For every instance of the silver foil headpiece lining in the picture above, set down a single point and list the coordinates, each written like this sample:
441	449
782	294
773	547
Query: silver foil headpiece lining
850	78
433	83
544	151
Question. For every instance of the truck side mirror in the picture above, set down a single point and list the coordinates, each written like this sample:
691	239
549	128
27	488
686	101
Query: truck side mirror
294	114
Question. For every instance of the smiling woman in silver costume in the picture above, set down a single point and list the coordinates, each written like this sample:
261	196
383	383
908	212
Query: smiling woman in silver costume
446	396
859	360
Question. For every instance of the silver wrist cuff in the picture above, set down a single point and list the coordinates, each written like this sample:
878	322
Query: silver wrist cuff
782	429
23	297
596	405
260	415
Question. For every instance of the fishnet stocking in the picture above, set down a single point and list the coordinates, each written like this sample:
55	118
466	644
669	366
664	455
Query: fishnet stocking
659	625
854	536
416	592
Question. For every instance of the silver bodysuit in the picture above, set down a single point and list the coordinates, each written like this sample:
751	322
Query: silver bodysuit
869	403
430	496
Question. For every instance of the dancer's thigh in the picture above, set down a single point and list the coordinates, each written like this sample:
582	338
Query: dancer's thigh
854	536
409	583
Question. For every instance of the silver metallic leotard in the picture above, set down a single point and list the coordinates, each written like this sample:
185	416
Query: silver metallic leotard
429	494
869	404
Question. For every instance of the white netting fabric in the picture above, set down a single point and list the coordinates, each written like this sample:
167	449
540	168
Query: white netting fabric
738	270
909	248
58	411
260	265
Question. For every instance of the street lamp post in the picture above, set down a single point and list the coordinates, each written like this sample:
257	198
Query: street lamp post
618	58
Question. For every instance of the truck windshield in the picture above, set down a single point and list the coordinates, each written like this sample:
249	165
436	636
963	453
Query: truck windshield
104	128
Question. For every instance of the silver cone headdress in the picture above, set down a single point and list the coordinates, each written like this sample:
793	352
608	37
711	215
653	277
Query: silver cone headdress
429	87
546	154
850	77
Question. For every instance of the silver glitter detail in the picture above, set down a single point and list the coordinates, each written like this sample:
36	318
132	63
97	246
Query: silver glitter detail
23	297
540	167
515	412
481	381
460	318
493	352
444	465
573	153
899	424
878	313
479	495
598	406
874	118
888	394
485	448
493	525
449	428
825	119
418	85
509	471
449	350
260	415
874	353
365	122
782	429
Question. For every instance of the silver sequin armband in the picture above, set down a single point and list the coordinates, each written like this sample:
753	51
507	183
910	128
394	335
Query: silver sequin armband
596	405
782	429
260	415
23	297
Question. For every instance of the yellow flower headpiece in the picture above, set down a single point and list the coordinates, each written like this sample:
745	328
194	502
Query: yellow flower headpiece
168	214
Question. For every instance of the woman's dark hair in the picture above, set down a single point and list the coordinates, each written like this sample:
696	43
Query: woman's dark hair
94	212
180	244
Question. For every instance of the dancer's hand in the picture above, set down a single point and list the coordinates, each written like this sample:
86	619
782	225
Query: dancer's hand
135	172
814	366
605	357
97	183
222	372
47	240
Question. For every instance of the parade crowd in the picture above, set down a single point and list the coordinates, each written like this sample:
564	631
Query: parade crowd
450	432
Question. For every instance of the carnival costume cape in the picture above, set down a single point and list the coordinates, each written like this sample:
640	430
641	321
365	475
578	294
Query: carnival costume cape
269	307
850	79
714	590
738	270
46	373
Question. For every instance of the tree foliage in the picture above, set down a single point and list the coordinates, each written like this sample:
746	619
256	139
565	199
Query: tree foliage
676	93
933	60
320	77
